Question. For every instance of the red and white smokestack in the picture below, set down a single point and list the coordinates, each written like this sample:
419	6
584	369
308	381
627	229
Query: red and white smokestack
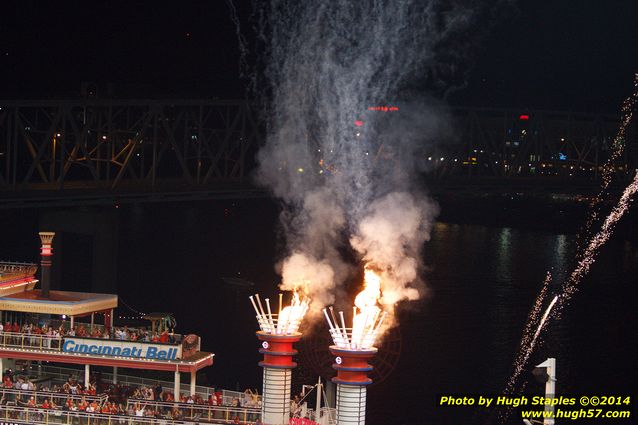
46	252
353	348
278	332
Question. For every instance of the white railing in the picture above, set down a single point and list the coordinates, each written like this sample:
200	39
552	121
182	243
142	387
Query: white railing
228	396
63	373
66	324
58	398
36	416
327	416
191	411
43	342
33	341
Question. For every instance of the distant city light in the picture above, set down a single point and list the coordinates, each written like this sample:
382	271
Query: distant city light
383	108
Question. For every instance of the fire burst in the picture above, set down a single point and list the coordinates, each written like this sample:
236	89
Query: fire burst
287	320
367	317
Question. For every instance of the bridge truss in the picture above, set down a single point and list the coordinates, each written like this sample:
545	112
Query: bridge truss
115	147
506	144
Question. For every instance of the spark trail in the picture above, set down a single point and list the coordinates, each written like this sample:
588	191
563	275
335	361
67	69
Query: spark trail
533	321
618	147
529	341
570	286
589	253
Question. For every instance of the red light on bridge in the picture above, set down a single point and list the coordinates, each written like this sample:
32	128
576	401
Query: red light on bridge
383	108
523	117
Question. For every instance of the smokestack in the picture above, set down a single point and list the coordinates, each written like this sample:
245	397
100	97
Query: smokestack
278	332
352	379
353	348
46	251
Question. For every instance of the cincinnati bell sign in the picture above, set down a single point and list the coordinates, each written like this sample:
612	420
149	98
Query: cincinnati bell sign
141	350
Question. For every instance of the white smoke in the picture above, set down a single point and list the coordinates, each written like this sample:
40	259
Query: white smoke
347	175
313	276
389	240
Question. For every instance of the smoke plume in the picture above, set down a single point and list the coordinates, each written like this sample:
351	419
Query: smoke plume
344	134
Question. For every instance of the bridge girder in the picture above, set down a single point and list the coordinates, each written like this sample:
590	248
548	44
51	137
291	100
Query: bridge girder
120	147
109	144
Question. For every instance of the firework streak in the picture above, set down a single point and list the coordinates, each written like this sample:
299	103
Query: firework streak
618	147
571	285
589	253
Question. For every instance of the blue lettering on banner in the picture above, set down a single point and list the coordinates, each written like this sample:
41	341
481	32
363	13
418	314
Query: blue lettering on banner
149	352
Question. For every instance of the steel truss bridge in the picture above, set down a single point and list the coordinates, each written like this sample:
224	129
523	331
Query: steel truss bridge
55	152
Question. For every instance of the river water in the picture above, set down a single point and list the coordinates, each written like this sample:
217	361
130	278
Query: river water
459	340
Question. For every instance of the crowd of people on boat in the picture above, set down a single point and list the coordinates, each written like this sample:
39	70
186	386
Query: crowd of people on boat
32	332
71	386
249	399
141	401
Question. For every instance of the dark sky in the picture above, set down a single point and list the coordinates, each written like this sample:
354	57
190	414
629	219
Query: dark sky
561	54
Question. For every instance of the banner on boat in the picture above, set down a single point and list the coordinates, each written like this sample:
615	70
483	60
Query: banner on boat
108	347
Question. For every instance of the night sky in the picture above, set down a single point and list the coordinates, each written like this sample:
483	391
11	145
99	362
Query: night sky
546	54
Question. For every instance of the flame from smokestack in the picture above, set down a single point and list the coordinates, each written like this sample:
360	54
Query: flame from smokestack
367	317
310	278
290	317
287	321
366	310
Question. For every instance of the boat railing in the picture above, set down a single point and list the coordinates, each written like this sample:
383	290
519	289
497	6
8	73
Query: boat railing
327	416
33	341
59	398
45	342
66	324
62	373
228	397
192	411
39	416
